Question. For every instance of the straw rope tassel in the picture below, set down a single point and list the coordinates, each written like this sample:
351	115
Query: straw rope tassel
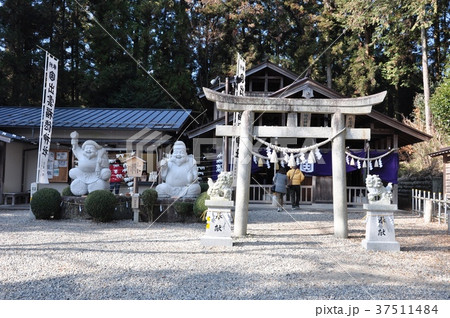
274	157
291	162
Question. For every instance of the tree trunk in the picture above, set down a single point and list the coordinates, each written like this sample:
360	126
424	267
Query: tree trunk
426	87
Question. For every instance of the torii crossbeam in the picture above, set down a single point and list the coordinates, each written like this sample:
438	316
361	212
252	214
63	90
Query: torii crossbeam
251	105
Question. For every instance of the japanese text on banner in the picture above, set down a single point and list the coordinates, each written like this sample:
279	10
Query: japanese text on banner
48	110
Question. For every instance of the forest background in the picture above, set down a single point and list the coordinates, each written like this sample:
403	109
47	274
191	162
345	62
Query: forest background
159	54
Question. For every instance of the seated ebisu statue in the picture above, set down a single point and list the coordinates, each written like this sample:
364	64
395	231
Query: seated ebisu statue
179	173
92	172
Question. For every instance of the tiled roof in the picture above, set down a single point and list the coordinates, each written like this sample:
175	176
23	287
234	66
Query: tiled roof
7	137
441	152
117	118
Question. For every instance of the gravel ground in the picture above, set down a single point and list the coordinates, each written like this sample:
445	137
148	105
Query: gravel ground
290	255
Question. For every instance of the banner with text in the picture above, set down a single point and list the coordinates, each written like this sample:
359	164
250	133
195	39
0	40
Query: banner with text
48	110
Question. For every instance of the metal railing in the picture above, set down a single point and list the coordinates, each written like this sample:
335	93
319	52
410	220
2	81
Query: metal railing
356	195
262	194
439	204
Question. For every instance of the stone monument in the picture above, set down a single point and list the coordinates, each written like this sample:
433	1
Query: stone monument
380	232
179	173
92	172
218	216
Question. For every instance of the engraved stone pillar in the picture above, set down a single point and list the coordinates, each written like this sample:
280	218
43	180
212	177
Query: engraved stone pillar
218	223
380	231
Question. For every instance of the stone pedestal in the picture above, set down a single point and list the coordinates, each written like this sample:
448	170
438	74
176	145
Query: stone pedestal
380	232
218	223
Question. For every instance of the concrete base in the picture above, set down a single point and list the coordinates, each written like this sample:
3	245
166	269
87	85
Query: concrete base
216	241
218	223
380	230
381	246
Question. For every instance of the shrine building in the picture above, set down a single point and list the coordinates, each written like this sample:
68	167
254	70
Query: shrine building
376	155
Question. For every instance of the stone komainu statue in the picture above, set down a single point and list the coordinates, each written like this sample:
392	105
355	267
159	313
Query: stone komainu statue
377	193
222	188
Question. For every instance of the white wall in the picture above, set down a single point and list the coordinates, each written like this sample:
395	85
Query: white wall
22	156
13	167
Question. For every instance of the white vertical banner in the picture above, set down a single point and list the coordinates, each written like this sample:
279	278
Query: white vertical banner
48	110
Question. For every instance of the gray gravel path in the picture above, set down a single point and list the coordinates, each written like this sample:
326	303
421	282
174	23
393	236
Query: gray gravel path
285	256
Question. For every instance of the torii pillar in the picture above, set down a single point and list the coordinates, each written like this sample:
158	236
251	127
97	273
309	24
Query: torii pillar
243	173
337	107
339	177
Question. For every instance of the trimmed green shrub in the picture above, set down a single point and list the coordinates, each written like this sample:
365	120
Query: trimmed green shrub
204	186
199	207
100	204
149	198
46	204
66	192
183	208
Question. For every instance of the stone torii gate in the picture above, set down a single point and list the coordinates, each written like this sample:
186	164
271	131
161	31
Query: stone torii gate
246	130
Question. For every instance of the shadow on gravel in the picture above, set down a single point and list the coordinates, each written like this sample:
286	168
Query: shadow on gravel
214	285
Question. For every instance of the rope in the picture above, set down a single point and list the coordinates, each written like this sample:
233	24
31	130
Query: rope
297	150
369	159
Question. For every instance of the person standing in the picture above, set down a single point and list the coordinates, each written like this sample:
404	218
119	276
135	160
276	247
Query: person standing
296	177
117	176
279	182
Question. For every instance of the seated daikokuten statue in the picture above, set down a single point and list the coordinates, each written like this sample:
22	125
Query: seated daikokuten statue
92	172
179	174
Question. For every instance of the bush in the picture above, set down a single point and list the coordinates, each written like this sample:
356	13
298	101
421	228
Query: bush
149	198
100	204
66	192
183	208
199	207
204	187
46	204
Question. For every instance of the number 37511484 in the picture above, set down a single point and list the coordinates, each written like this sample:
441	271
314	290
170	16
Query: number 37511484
406	309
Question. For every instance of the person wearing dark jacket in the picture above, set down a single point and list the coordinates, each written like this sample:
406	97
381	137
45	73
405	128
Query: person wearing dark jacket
279	182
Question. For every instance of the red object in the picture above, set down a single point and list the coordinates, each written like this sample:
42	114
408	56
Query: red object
117	173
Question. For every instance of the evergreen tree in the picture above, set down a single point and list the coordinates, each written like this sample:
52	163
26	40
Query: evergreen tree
20	58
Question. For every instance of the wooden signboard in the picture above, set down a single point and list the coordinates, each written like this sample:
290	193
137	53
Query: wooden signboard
135	166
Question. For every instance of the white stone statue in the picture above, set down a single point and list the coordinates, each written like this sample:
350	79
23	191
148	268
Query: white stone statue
377	193
179	174
92	172
221	189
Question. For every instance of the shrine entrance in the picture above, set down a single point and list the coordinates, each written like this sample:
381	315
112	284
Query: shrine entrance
337	134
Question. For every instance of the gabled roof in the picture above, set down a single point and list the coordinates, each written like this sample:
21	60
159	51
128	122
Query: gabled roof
441	152
303	83
117	118
258	68
274	67
407	135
